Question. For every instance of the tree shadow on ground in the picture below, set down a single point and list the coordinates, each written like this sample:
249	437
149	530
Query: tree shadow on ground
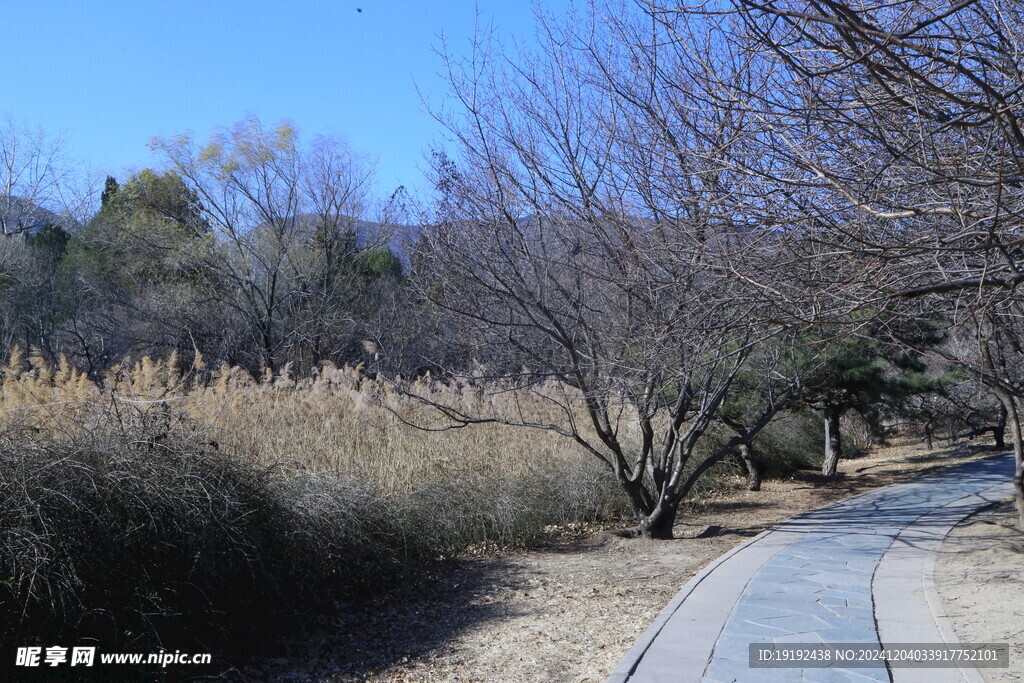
957	450
354	641
409	622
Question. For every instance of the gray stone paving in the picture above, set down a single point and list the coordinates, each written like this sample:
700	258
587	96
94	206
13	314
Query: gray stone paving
820	577
906	603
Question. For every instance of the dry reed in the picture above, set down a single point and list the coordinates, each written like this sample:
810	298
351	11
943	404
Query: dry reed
338	421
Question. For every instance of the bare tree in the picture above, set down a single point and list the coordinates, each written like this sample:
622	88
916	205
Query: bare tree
587	235
39	185
893	130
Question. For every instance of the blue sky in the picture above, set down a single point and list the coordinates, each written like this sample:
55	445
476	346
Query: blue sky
110	75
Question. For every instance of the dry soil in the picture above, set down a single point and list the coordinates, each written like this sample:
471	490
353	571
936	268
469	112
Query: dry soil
569	610
980	577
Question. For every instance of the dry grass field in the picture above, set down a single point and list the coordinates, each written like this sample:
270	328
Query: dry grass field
570	608
158	504
338	421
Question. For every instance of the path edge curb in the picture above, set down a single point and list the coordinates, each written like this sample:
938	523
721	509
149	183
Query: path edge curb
630	661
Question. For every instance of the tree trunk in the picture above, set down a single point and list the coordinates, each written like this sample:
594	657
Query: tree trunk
1013	418
750	465
833	440
1018	458
660	525
999	431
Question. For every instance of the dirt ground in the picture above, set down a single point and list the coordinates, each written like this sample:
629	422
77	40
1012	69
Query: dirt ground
567	611
979	577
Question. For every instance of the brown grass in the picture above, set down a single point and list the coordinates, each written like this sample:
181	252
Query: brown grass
337	421
133	501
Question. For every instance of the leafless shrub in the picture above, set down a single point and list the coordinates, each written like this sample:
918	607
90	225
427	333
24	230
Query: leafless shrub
127	519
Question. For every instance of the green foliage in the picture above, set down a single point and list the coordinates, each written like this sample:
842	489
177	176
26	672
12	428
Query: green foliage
49	244
861	372
91	258
853	374
154	198
379	263
110	189
150	230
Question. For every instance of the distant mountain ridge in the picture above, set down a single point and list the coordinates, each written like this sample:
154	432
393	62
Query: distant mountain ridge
19	216
368	234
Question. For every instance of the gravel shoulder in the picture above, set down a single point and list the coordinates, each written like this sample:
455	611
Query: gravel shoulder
979	577
569	610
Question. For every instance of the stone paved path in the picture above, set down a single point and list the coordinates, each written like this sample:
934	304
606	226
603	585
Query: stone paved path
856	571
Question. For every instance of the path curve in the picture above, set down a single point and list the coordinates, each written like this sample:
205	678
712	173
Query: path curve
855	571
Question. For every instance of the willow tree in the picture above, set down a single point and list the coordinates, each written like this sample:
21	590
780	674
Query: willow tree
287	217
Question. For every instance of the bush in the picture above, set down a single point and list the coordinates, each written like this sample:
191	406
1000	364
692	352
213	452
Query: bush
136	542
791	442
166	547
513	511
